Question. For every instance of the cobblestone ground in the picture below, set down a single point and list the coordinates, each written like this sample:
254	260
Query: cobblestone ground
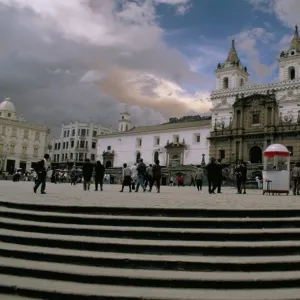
171	197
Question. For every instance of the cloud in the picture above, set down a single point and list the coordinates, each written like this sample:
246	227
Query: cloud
247	41
287	11
66	60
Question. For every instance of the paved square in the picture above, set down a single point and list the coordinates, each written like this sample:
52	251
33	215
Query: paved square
171	197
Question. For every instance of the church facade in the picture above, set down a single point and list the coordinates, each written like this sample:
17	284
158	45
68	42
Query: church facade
247	118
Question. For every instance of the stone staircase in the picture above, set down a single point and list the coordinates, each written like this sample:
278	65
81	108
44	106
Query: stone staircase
63	252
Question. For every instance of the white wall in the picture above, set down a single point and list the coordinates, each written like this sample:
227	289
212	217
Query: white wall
125	146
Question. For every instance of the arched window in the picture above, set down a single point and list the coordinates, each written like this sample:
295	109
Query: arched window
138	157
126	127
156	156
242	82
122	117
292	73
225	83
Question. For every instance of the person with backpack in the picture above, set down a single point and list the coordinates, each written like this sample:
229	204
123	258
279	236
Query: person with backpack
41	170
141	169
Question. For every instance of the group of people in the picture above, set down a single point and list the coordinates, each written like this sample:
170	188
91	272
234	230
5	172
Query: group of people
141	176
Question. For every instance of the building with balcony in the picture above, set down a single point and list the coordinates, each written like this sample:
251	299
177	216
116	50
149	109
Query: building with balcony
22	143
77	142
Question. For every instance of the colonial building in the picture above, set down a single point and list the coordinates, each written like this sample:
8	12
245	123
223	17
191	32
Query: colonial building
176	143
77	142
247	118
21	143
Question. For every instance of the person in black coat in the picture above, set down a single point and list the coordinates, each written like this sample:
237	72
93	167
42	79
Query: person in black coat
87	172
219	175
99	175
212	172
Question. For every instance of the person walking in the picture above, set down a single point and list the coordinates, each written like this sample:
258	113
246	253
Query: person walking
199	179
156	172
149	177
296	178
212	170
41	170
126	178
99	175
141	169
219	175
87	172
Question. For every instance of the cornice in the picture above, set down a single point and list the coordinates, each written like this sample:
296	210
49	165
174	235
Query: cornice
257	88
23	124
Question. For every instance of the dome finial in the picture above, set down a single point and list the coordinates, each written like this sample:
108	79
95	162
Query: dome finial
296	30
233	43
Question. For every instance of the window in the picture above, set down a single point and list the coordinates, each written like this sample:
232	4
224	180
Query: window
65	134
73	132
64	145
37	135
54	158
35	152
71	155
255	118
67	145
93	145
122	117
175	138
66	156
86	144
72	144
225	83
197	138
68	133
291	149
238	119
138	157
82	144
80	156
175	161
221	154
62	157
292	73
108	148
242	82
156	156
138	142
87	132
9	115
14	132
92	157
126	127
94	133
57	157
83	131
3	130
55	146
156	141
24	150
26	134
85	155
78	131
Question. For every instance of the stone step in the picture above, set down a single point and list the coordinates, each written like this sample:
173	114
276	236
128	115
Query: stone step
158	262
163	222
166	212
150	278
127	245
51	289
153	233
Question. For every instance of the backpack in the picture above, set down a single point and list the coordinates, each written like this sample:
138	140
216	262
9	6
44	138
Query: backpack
39	167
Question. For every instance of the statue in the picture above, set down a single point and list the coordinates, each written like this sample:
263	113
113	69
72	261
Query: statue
219	66
282	54
245	69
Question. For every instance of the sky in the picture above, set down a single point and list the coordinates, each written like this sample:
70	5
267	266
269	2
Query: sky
63	61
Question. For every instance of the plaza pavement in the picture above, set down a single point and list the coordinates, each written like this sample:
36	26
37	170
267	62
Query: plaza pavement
170	197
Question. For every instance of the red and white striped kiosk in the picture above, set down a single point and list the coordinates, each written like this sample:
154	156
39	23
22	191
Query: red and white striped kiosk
276	172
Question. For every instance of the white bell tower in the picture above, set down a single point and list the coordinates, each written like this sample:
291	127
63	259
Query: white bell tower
232	74
125	120
289	61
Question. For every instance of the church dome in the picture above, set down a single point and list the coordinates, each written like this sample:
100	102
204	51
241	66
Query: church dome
7	109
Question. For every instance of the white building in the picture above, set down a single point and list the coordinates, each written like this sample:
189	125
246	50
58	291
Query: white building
77	142
232	81
21	143
179	142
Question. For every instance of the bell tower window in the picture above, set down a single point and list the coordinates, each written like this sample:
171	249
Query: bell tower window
242	82
292	73
225	83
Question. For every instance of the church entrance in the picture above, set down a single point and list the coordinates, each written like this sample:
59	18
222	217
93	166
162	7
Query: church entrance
255	155
108	164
